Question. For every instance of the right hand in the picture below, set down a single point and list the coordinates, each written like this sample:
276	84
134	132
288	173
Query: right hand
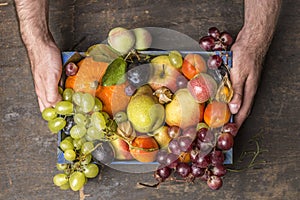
46	67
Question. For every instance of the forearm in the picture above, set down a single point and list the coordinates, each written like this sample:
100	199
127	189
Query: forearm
259	25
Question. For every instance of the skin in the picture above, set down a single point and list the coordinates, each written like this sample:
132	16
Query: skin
249	51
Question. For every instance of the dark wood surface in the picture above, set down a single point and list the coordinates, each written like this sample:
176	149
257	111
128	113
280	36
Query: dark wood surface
28	150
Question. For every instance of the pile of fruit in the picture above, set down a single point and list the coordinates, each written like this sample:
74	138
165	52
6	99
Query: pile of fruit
121	101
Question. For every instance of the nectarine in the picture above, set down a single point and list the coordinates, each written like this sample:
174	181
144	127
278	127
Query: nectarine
144	148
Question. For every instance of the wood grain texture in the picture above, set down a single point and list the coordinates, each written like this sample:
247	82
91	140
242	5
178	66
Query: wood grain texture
28	150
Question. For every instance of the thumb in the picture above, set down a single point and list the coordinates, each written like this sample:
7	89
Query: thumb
237	99
53	95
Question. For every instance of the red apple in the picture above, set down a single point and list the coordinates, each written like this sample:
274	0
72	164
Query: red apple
144	148
202	87
121	148
164	75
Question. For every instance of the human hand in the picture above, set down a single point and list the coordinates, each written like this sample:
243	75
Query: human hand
245	75
46	67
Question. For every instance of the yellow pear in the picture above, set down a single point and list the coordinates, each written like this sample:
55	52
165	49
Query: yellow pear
183	110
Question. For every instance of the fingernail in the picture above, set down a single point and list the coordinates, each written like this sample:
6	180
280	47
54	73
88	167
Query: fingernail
234	108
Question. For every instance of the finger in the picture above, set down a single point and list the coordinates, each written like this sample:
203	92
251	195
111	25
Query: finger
238	84
248	99
41	104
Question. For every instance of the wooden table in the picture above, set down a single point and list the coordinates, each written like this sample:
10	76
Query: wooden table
28	150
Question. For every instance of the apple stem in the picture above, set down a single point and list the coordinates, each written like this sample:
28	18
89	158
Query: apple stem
162	74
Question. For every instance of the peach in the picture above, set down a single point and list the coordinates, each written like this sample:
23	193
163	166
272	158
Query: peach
121	39
144	148
121	148
193	64
143	38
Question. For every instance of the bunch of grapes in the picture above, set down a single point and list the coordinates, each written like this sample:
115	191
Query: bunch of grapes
83	125
216	41
197	154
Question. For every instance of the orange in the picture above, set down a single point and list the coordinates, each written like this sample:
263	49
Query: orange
216	114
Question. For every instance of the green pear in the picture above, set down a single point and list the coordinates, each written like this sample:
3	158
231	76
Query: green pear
144	111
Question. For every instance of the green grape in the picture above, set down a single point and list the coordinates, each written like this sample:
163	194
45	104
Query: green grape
76	98
56	124
66	144
65	186
94	133
86	159
61	166
98	120
67	94
78	109
106	116
80	119
70	155
90	170
89	138
78	143
60	90
49	114
69	138
64	108
175	59
87	102
120	117
60	179
77	131
98	105
77	180
87	148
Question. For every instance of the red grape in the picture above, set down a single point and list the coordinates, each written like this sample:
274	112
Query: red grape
203	161
214	32
214	182
71	69
201	134
130	90
197	171
207	43
185	143
162	173
219	170
174	147
174	131
161	157
225	141
183	169
172	160
181	82
226	38
217	157
230	128
190	132
214	62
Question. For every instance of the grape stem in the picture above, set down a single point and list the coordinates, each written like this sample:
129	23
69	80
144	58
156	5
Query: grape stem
253	162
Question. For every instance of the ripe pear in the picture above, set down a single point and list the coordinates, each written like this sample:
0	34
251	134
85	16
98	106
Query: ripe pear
183	111
144	111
